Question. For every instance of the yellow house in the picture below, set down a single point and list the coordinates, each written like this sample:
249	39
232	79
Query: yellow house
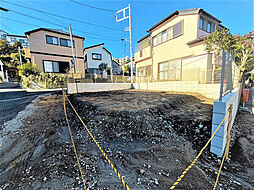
174	49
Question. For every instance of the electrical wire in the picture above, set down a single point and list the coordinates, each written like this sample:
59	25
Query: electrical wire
63	26
19	21
63	17
43	13
93	7
91	34
8	28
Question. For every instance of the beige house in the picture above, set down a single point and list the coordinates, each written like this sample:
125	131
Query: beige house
51	50
174	48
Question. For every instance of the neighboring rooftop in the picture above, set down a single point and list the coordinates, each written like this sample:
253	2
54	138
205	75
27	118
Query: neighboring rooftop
58	31
183	12
89	47
98	45
12	35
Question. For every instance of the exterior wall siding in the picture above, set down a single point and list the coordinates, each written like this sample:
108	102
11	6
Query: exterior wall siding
40	51
106	57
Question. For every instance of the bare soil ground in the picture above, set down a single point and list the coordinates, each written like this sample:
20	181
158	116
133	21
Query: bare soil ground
151	138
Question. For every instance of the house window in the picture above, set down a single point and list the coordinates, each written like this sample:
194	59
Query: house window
212	27
154	40
52	40
201	22
209	27
206	25
66	42
96	56
170	33
144	71
174	70
164	36
159	38
13	39
177	29
55	67
170	70
141	53
163	71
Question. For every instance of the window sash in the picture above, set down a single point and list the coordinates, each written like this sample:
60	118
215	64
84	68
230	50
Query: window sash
96	56
177	29
164	36
52	40
154	40
55	67
170	33
66	42
48	67
212	27
201	23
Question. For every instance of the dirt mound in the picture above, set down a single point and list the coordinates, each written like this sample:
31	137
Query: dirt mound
150	137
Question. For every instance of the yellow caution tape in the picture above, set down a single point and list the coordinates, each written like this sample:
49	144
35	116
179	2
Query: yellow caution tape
227	146
199	154
72	140
102	151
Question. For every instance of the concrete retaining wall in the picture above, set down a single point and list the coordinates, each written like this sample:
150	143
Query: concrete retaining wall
220	109
96	87
208	90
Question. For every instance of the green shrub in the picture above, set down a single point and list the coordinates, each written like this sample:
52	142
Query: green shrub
28	69
44	80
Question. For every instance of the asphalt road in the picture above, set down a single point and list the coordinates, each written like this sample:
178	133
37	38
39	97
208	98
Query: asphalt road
13	102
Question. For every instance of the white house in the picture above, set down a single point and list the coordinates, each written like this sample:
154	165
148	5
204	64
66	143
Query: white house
22	39
94	56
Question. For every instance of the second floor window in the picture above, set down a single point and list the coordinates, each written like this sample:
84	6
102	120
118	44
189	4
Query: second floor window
172	32
66	42
96	56
206	25
52	40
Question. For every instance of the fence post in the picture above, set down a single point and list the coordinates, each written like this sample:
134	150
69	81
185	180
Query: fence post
222	75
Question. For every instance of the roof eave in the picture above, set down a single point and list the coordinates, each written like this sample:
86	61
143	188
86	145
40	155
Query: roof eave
163	20
45	29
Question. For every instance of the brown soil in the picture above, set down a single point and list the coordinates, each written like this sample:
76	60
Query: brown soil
150	137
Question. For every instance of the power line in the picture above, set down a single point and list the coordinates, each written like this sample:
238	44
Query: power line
19	21
44	13
102	9
68	18
8	28
92	34
38	19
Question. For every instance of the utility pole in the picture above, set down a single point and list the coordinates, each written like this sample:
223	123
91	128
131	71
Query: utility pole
73	56
125	16
131	43
20	57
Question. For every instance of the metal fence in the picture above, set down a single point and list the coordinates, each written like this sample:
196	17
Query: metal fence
224	72
99	78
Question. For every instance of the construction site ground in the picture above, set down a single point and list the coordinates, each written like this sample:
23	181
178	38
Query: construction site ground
151	137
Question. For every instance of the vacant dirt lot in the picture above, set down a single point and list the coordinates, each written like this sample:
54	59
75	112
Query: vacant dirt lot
150	137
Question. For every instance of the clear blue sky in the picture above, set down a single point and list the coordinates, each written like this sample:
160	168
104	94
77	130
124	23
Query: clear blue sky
235	15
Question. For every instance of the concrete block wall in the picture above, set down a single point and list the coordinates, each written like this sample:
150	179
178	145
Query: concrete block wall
220	109
208	90
73	88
